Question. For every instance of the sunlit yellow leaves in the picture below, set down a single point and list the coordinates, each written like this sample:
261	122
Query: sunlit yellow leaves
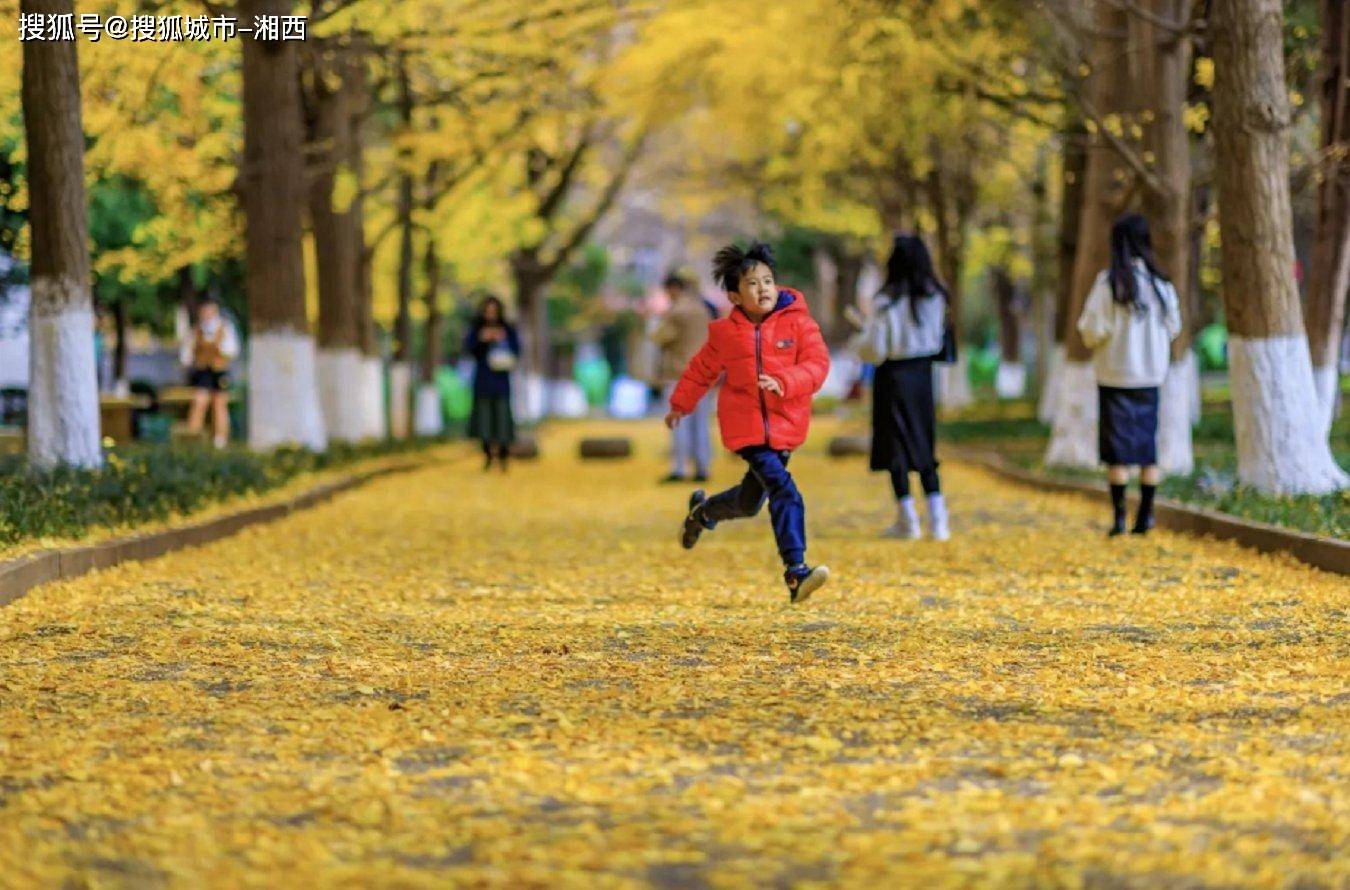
1204	72
1196	117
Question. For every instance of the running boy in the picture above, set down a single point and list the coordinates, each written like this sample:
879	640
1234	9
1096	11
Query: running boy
775	359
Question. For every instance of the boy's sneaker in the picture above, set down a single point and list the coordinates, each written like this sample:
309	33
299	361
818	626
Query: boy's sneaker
802	581
694	523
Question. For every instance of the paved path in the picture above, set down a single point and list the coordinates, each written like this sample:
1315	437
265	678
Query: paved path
522	681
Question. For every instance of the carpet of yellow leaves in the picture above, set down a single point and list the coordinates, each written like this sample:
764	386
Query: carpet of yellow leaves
452	678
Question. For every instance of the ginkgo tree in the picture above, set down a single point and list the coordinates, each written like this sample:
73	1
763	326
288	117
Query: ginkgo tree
885	119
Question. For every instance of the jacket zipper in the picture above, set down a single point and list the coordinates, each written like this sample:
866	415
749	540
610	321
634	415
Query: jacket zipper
759	371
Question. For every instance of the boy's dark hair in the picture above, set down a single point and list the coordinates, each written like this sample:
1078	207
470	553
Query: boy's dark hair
731	262
675	281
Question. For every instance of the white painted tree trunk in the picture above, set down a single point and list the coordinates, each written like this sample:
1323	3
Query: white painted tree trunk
1011	382
1049	401
1326	380
1197	398
530	397
1073	436
400	399
1175	417
371	395
954	383
283	403
427	419
567	399
63	422
1281	441
341	377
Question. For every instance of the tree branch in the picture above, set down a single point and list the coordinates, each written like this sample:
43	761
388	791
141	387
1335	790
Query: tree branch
1126	153
1176	29
602	207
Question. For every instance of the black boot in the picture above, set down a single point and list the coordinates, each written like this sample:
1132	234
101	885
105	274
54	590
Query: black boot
1143	520
1117	510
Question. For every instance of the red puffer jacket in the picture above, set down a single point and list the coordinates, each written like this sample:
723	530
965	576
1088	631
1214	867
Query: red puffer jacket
787	346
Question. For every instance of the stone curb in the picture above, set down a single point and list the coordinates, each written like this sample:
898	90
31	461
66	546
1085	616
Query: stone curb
1330	554
18	576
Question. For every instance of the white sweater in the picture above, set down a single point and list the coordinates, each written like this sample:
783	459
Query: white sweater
892	333
1131	349
187	339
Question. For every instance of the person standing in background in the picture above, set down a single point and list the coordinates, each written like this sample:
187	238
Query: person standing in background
680	334
1130	318
206	350
902	337
495	346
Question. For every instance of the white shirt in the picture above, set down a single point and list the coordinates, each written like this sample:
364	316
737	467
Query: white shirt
229	341
892	332
1131	348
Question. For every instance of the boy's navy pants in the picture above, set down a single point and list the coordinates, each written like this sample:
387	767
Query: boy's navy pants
767	478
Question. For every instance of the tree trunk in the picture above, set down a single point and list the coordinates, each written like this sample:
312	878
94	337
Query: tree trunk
427	420
119	364
1073	438
400	372
1166	77
283	404
431	353
63	420
370	393
1329	272
951	199
1073	172
1281	440
337	253
530	283
848	269
1011	381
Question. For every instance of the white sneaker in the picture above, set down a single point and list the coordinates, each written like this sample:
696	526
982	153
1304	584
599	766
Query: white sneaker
938	525
906	525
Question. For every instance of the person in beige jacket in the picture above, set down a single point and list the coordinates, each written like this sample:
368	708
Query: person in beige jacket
680	334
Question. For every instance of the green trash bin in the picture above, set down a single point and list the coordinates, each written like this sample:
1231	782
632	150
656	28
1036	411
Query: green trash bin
1212	344
983	366
456	397
593	376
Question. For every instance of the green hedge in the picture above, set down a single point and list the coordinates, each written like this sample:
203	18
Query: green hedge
149	483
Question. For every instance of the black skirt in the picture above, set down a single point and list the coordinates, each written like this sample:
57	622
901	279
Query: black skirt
904	420
1127	426
491	420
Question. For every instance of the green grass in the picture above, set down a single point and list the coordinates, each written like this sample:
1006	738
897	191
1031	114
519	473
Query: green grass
1214	483
152	483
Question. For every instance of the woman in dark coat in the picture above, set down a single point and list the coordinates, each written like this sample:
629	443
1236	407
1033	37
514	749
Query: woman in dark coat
495	347
903	336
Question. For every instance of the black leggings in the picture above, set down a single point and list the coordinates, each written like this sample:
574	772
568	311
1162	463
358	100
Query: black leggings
927	478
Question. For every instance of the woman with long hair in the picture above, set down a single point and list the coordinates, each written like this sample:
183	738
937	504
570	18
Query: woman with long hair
495	346
903	336
1129	320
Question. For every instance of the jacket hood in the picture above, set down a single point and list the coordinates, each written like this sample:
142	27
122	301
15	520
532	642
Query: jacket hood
789	300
